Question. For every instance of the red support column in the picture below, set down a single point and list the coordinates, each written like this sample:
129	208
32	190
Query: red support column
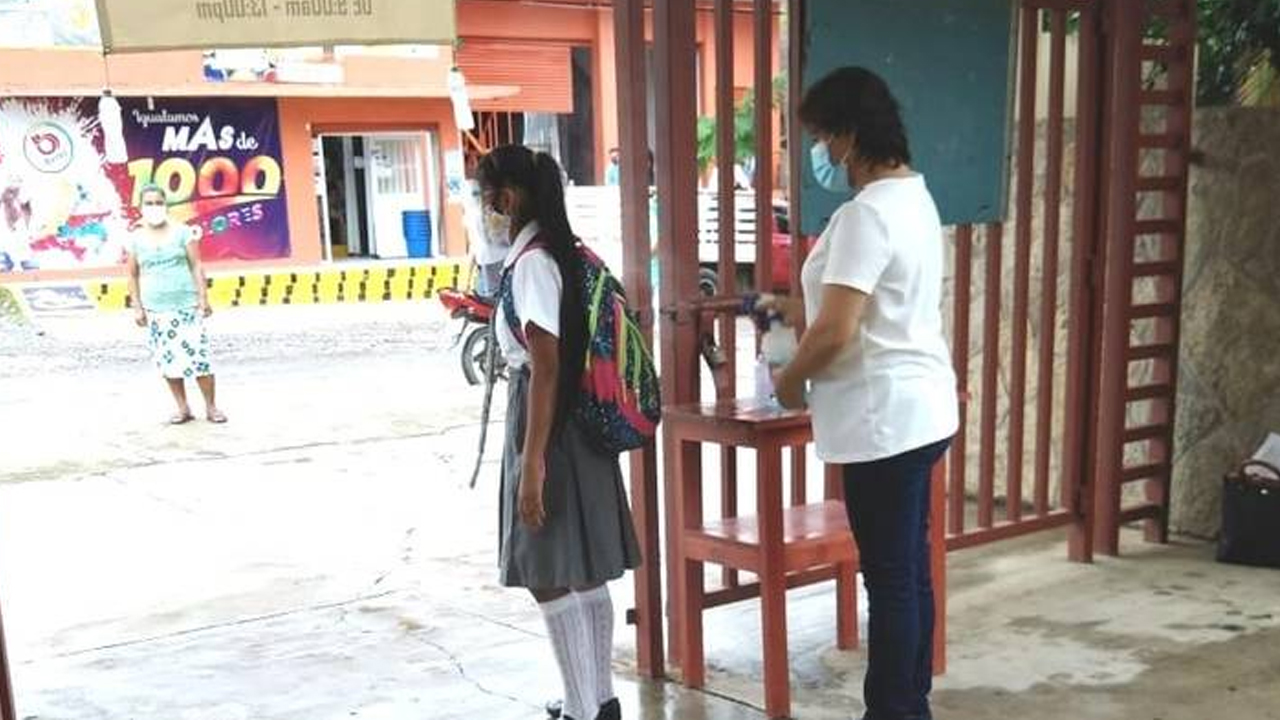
963	309
1049	272
726	234
628	16
1029	27
675	64
1120	173
1077	473
938	562
994	250
764	144
795	139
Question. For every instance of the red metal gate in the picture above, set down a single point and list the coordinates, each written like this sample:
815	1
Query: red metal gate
1023	362
1061	438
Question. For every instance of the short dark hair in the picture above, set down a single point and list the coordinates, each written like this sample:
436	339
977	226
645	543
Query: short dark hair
855	100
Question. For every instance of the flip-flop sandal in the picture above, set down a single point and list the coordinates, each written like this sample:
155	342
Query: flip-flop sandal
217	418
178	419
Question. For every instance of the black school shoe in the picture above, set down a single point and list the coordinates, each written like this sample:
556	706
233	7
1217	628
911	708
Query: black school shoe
611	710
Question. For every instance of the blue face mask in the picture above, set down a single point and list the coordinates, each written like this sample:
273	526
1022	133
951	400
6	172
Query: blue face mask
830	175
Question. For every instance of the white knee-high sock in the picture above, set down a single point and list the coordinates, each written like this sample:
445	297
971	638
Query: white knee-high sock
571	640
597	609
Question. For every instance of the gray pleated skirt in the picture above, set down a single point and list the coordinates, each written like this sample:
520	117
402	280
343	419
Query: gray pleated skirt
588	537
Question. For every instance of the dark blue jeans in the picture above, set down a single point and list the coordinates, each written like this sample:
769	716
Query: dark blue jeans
888	504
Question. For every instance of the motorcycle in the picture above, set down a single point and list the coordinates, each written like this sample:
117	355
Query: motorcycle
476	313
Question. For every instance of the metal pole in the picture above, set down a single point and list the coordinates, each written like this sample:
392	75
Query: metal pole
795	138
763	21
675	67
1087	223
726	236
1121	170
1029	27
628	17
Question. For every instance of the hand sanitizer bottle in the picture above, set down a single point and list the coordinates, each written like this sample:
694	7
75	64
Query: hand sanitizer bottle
777	348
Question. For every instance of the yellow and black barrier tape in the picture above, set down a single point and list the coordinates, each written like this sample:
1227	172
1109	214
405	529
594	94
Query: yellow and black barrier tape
337	284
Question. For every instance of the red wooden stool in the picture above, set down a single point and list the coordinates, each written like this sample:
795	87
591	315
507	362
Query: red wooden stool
784	547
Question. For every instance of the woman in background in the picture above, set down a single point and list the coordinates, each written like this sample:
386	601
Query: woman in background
168	292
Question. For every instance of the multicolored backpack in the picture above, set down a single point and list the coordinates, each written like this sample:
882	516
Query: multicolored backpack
620	404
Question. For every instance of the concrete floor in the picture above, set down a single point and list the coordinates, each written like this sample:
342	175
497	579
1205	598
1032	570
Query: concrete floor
321	557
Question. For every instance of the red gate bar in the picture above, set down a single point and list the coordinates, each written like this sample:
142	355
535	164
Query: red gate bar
1179	119
994	236
795	141
1121	169
1029	25
1049	278
675	63
1077	474
963	302
628	16
763	33
726	235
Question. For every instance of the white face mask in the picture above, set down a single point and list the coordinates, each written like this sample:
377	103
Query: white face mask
497	227
155	215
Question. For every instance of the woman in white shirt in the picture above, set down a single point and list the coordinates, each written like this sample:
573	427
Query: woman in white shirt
881	387
566	526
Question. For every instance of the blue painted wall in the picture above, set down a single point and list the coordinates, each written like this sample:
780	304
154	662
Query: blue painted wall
950	64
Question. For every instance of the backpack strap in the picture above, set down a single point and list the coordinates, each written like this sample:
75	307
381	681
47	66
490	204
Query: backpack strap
507	295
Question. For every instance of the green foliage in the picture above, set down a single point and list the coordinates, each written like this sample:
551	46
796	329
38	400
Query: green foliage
1239	51
744	127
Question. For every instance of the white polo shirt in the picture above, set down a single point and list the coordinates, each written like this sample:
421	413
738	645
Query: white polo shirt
892	389
536	286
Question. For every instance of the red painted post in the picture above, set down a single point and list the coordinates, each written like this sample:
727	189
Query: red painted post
692	648
773	584
1078	441
628	16
1121	169
675	66
1029	26
726	235
763	32
1177	163
990	374
938	563
960	352
795	138
1049	276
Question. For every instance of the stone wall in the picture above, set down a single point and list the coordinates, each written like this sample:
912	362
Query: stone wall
1229	373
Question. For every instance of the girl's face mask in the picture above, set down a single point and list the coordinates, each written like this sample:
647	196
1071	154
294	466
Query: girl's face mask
497	227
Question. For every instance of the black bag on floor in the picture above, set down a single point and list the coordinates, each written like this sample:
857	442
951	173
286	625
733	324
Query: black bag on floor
1251	516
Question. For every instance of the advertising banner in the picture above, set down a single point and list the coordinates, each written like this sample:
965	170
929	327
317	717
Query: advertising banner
130	25
220	162
63	206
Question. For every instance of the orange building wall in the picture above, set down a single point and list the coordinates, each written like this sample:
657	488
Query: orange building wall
301	119
593	27
743	72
